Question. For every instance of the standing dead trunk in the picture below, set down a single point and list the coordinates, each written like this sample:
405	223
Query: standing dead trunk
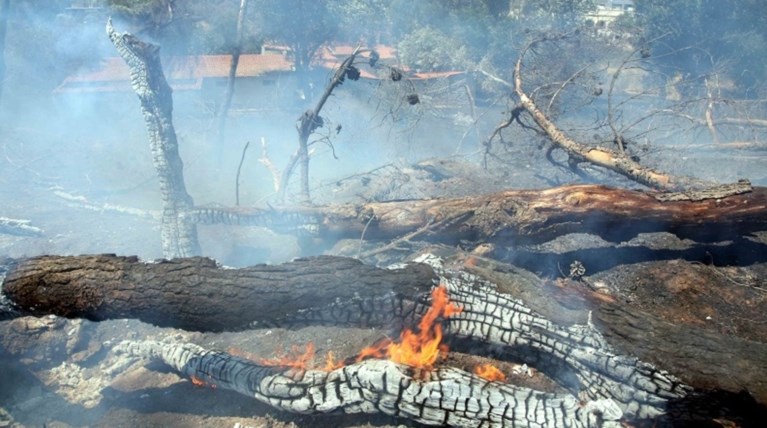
179	234
308	123
224	111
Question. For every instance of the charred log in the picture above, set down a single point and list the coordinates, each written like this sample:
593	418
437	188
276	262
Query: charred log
516	217
445	397
195	293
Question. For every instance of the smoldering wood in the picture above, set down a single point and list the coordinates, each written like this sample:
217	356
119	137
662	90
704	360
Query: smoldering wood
571	349
178	234
612	385
443	397
517	217
195	293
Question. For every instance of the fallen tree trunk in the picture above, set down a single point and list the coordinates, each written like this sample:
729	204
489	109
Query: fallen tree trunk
195	293
516	217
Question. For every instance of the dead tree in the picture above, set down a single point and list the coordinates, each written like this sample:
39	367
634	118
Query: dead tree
310	121
236	50
619	162
179	233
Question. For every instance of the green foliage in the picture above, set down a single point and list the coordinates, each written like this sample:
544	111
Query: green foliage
560	11
429	49
304	25
701	36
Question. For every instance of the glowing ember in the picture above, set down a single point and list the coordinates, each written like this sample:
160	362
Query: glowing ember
200	383
419	348
489	372
298	360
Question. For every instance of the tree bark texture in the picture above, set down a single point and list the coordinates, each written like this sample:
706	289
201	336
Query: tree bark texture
195	293
179	235
608	386
615	161
515	217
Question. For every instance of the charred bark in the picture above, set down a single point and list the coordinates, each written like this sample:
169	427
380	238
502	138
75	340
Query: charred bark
179	235
195	293
444	397
516	217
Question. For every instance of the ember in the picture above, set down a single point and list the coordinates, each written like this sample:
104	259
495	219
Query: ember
297	359
196	381
489	372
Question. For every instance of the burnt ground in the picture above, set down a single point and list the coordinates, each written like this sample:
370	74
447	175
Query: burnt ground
59	373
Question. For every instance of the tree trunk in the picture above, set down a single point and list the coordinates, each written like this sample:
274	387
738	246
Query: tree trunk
195	293
224	111
179	234
524	216
307	124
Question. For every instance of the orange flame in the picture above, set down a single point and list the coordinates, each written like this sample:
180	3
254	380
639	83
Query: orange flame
489	372
298	360
419	348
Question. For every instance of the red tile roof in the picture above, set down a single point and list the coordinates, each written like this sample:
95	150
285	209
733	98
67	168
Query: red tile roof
187	72
183	73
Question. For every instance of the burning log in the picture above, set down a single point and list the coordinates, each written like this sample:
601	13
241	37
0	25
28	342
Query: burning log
523	216
445	396
477	318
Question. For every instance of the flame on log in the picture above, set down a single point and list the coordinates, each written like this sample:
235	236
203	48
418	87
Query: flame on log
419	348
489	372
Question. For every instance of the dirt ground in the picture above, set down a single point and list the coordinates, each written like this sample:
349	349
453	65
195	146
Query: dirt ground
61	373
